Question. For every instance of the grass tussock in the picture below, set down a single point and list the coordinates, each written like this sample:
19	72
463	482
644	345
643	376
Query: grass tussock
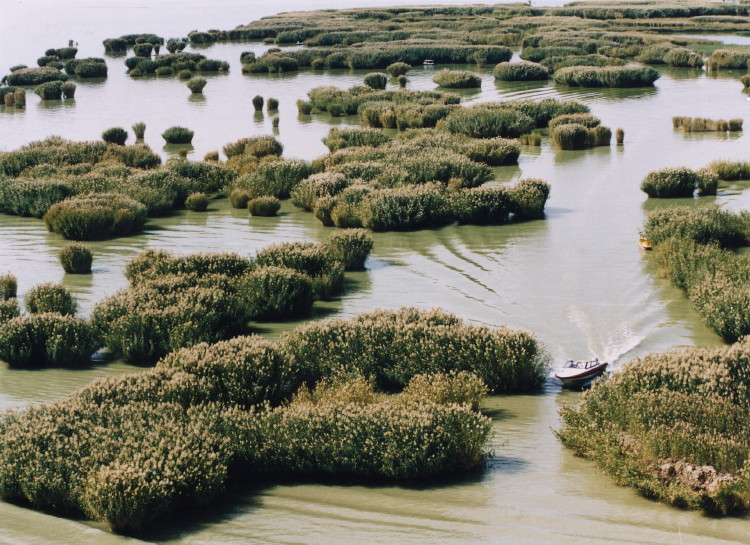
699	124
75	258
457	79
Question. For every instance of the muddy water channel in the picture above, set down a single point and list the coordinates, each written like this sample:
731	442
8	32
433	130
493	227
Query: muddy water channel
577	279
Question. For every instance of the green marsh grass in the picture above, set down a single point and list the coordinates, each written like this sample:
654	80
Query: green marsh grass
75	258
115	135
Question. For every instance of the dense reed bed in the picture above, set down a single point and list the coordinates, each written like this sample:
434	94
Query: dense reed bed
42	174
694	250
674	426
371	404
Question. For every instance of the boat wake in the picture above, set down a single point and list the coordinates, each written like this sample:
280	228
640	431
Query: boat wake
609	347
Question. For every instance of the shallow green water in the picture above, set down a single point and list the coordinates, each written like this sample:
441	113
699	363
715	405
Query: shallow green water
577	279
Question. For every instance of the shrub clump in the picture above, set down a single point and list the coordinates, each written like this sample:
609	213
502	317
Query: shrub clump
96	216
8	286
483	122
398	69
670	182
47	340
607	76
354	137
178	135
196	84
75	258
376	80
52	90
277	293
50	298
392	347
263	206
115	135
457	79
35	76
198	202
351	247
521	71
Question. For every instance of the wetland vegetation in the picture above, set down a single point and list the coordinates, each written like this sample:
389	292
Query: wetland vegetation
388	396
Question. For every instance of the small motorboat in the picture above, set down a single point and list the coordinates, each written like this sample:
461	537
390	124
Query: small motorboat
299	43
645	243
578	373
429	62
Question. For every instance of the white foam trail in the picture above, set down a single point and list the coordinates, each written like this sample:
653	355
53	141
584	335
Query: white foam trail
609	348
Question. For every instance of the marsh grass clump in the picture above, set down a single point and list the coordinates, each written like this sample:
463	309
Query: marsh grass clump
47	340
304	107
406	208
482	122
75	258
19	98
258	103
164	71
730	170
521	71
619	136
457	79
8	286
277	293
35	76
702	226
272	104
313	260
239	198
534	138
178	135
9	309
671	426
68	89
196	84
211	156
682	56
727	59
587	120
398	69
253	149
670	182
570	136
115	135
275	177
143	323
392	347
139	129
143	50
323	184
184	75
197	202
376	80
96	216
52	90
402	81
355	137
50	298
699	124
351	247
263	206
608	76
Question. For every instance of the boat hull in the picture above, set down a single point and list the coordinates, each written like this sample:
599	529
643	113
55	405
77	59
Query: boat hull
578	377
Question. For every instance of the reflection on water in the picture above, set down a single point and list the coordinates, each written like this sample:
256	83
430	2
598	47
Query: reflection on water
577	279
